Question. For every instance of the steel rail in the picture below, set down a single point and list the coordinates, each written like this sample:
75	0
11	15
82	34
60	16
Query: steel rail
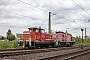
67	56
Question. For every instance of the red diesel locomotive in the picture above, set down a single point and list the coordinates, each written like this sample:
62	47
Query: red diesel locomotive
62	39
37	37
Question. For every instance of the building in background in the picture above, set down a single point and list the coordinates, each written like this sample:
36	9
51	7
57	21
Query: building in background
87	37
20	36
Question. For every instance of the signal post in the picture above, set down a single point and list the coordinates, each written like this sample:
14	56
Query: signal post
82	39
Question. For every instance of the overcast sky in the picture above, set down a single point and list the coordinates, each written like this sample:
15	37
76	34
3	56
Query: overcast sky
19	15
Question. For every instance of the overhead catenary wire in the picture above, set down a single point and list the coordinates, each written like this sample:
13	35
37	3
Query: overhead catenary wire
33	6
24	15
68	19
25	6
64	9
18	14
38	7
56	4
43	9
87	2
81	7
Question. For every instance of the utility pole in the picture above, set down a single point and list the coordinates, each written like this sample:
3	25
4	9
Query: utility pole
49	23
85	33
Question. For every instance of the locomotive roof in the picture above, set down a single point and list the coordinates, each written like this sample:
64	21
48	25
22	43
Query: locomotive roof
25	31
60	32
36	28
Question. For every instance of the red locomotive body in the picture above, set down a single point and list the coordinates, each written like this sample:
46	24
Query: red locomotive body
62	39
36	37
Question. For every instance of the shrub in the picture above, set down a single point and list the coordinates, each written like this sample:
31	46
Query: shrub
9	44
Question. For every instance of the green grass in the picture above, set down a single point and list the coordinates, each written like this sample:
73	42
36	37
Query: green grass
14	44
85	42
9	44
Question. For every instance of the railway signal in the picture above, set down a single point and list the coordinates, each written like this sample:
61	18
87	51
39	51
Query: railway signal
82	39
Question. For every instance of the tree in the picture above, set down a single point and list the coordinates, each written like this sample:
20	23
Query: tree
10	36
8	33
78	39
52	32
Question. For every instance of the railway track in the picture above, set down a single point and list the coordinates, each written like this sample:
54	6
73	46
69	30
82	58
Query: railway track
62	48
44	54
13	52
68	56
2	50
